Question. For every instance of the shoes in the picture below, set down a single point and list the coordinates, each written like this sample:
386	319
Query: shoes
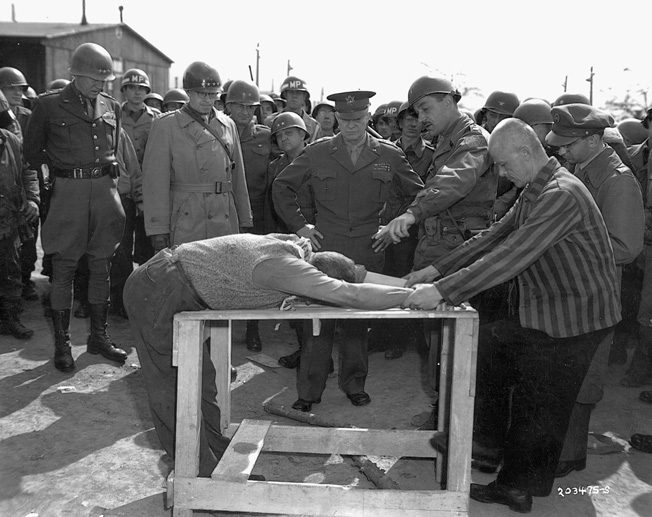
234	374
394	353
566	467
517	500
646	396
290	361
304	405
359	399
642	442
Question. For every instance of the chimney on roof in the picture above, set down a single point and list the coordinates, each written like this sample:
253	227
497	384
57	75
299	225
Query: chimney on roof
13	13
84	21
120	8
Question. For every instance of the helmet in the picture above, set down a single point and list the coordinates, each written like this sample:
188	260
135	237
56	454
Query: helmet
57	84
320	106
7	116
135	77
571	98
380	112
632	130
393	108
264	97
201	77
503	103
243	92
175	95
294	83
154	96
287	120
30	93
92	60
534	111
430	85
12	77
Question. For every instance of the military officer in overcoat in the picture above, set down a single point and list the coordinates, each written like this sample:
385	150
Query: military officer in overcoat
74	132
194	184
352	175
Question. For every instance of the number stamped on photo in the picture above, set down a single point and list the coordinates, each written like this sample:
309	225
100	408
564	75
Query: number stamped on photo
583	490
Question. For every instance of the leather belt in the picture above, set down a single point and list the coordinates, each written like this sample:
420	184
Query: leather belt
83	173
218	187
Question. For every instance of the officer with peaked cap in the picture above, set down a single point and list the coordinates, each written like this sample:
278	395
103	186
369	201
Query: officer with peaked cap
578	132
352	175
75	133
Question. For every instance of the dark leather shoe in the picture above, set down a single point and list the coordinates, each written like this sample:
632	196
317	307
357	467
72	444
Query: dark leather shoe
566	467
359	399
290	361
304	405
642	442
517	500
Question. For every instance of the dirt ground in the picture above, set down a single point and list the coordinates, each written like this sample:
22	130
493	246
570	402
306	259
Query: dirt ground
83	444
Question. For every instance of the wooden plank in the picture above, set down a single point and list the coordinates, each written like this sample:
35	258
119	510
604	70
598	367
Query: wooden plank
313	499
188	398
220	352
327	312
242	453
348	441
462	400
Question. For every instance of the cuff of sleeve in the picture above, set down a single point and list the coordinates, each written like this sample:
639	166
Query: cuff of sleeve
360	273
416	212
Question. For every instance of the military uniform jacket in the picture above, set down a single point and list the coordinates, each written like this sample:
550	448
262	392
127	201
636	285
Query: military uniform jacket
138	130
256	143
640	156
61	134
618	195
183	170
348	197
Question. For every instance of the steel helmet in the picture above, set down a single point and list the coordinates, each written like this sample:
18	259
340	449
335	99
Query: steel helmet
30	93
243	92
92	60
135	77
267	98
632	130
155	96
320	106
429	86
7	116
201	77
503	103
393	109
380	112
57	84
294	83
534	111
175	95
12	77
571	98
287	120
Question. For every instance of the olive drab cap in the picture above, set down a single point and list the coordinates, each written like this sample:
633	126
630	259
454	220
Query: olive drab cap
570	122
243	92
201	77
351	105
426	85
294	83
534	111
287	120
92	60
10	76
135	77
503	103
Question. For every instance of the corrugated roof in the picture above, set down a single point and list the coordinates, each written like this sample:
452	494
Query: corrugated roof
54	30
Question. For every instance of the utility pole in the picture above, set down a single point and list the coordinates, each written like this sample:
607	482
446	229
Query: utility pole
565	83
257	63
590	81
289	68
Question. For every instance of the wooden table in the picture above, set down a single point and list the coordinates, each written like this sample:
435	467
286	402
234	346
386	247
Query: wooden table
229	488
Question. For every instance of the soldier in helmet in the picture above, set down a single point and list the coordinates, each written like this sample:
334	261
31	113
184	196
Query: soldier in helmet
242	100
324	113
57	84
194	184
536	114
154	100
498	106
267	108
174	99
380	123
352	175
18	209
74	133
295	93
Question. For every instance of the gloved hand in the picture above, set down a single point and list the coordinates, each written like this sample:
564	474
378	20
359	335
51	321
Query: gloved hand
160	242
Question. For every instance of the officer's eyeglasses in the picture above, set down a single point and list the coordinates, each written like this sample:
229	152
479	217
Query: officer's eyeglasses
206	95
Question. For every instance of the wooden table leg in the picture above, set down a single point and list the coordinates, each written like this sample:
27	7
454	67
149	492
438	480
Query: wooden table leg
220	332
186	461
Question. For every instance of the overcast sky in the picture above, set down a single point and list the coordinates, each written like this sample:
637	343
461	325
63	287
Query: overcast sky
525	47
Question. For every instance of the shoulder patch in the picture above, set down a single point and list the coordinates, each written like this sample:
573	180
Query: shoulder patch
473	141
